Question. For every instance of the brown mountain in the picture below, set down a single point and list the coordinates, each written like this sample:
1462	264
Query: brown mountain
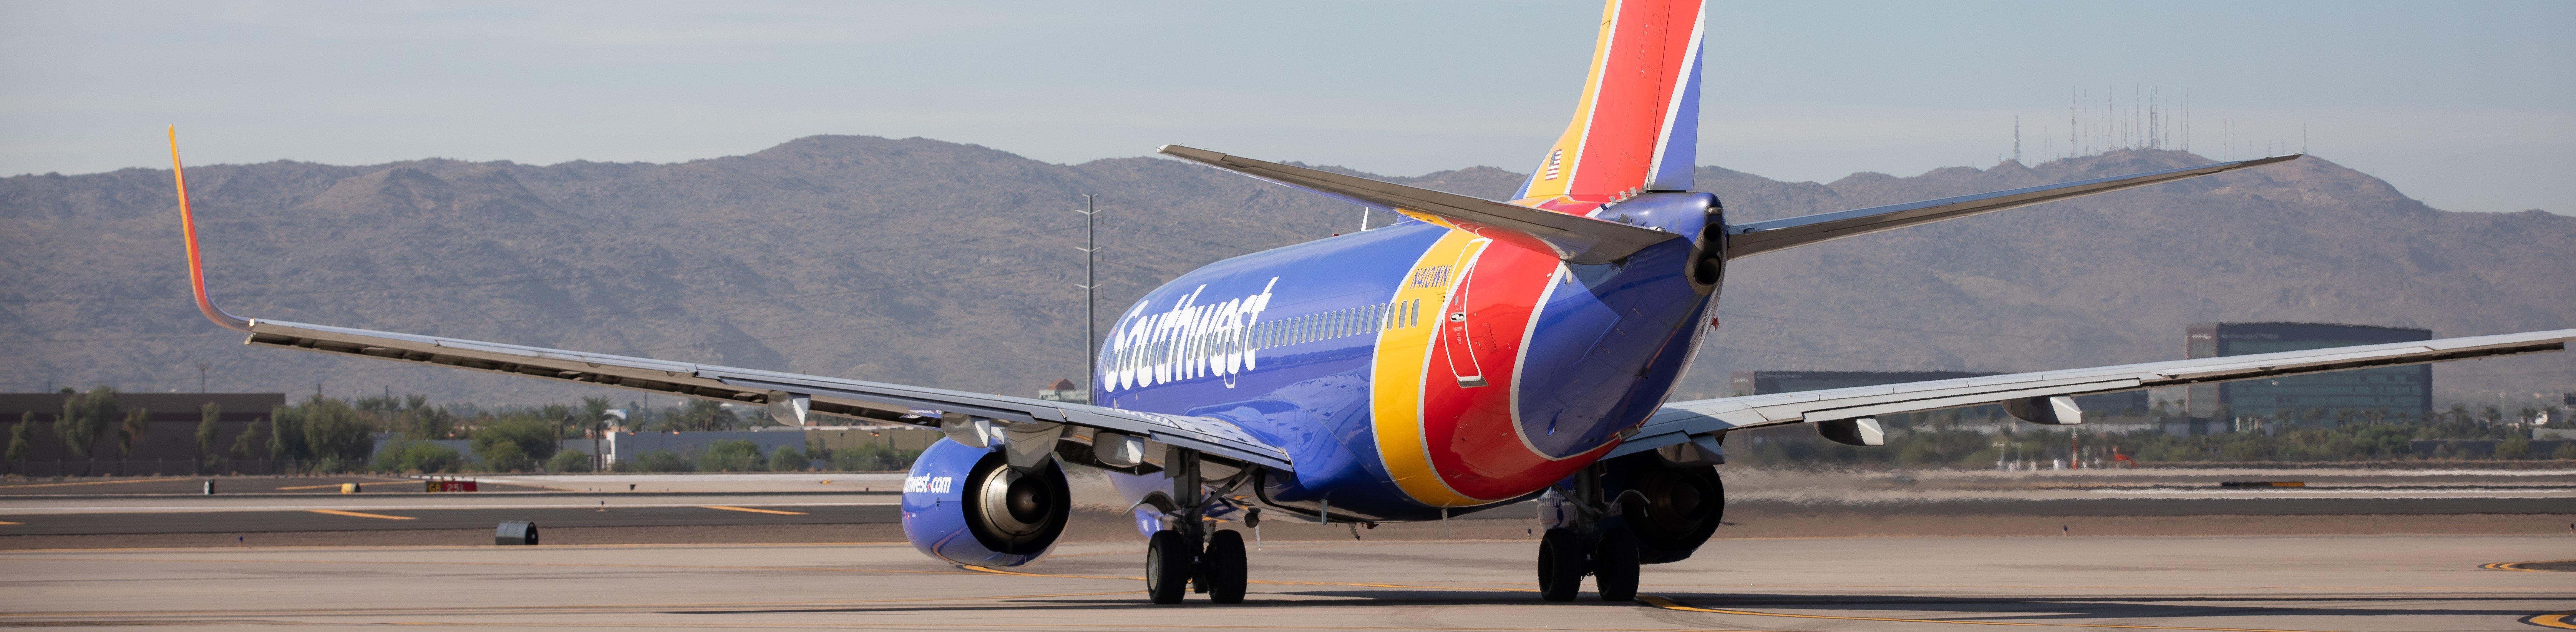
936	263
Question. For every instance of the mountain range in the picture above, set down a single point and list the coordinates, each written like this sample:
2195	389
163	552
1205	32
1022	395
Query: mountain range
942	264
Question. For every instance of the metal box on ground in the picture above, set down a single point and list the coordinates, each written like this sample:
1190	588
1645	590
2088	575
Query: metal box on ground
515	534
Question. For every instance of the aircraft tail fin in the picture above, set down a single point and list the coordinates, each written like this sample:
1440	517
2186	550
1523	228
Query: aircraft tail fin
1636	125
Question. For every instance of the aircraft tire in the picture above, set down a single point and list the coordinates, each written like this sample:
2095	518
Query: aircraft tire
1614	572
1560	565
1227	571
1167	566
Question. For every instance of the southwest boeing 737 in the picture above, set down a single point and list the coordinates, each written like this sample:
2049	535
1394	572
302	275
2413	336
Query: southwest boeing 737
1475	354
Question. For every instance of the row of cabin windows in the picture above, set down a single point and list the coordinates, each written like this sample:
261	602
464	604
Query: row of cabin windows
1355	321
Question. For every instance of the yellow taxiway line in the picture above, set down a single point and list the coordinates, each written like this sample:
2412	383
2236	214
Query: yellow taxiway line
2517	566
1669	604
354	514
375	482
135	480
766	511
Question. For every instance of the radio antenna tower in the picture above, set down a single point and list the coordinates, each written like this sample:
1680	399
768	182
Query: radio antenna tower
2016	140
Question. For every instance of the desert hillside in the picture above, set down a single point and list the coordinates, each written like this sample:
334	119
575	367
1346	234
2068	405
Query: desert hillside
935	263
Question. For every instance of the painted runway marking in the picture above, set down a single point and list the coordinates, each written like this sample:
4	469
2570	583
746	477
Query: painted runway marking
354	514
2517	566
1669	604
766	511
2561	620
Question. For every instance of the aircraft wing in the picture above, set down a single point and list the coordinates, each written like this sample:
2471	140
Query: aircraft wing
1679	422
852	398
1575	238
788	395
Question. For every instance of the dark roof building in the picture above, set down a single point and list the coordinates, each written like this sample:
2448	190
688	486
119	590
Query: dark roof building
171	434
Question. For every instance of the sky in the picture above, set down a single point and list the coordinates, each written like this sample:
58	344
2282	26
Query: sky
2469	106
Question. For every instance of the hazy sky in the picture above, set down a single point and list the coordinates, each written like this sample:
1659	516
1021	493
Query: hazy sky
2468	106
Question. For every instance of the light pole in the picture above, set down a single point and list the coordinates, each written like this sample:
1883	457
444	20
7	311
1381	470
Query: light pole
1090	291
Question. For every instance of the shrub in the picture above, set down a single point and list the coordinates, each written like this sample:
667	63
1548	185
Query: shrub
533	438
334	431
568	461
654	461
872	458
2513	448
2566	452
788	459
504	457
732	455
418	456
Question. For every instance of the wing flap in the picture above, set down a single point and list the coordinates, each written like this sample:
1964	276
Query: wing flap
1677	421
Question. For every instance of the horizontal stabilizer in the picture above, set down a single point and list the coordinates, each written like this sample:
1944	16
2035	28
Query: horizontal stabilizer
1576	239
1745	240
1677	422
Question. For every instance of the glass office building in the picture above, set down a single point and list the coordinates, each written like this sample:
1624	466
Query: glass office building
2403	392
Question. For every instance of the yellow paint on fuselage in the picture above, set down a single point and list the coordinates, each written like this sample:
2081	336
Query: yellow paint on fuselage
1403	362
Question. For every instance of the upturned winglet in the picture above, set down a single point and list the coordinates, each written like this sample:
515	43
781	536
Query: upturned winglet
188	229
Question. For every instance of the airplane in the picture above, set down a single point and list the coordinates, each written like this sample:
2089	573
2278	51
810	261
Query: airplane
1473	355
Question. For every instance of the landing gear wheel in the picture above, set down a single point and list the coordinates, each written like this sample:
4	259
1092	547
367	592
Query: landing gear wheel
1614	566
1227	572
1560	565
1168	558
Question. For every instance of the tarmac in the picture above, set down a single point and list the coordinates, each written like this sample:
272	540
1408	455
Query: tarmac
1858	551
656	508
1894	584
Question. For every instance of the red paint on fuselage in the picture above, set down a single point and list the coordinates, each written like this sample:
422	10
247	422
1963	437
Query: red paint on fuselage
1474	442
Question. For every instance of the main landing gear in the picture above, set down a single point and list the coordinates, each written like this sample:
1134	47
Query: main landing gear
1174	567
1176	563
1577	544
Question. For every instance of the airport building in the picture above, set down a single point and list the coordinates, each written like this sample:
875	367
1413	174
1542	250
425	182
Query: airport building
170	432
2404	392
1768	382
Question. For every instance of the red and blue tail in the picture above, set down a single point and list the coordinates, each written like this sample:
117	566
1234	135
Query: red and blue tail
1636	126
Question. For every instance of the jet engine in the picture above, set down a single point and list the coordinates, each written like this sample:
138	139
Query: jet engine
1670	508
969	506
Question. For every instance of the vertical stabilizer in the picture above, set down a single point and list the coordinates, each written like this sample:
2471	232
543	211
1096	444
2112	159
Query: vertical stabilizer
1636	125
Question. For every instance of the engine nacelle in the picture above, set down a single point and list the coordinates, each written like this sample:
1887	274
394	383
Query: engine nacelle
966	505
1675	507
